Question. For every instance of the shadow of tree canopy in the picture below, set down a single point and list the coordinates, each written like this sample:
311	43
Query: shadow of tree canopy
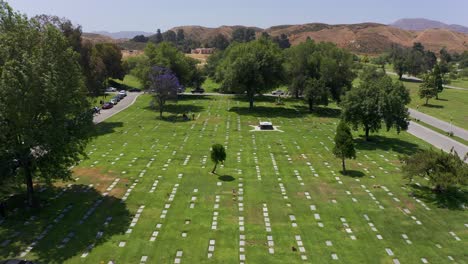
453	198
429	105
188	97
176	112
378	142
23	226
226	178
105	128
267	111
320	111
353	173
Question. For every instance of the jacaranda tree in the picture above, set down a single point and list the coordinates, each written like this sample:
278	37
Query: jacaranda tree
164	86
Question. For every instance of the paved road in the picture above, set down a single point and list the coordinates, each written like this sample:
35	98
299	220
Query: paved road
445	126
436	139
419	80
122	105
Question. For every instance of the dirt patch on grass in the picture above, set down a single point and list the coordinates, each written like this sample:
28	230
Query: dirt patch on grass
326	189
95	175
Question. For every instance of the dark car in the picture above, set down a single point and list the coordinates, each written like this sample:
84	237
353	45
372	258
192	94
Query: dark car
107	105
135	90
117	98
198	90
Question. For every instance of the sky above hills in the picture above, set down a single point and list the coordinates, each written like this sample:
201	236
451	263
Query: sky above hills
148	15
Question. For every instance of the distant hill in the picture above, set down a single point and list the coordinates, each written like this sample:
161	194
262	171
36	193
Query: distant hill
123	34
367	38
420	24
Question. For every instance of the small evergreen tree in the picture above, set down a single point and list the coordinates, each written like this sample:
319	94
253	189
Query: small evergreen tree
218	154
344	144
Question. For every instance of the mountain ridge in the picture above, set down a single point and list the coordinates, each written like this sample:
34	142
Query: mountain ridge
421	24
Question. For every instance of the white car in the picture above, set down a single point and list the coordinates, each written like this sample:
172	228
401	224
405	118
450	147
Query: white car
278	92
111	90
123	93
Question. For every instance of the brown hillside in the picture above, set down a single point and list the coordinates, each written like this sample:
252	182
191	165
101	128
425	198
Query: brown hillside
96	38
367	38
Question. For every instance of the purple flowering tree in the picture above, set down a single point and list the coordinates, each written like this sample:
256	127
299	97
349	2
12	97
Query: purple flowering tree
164	86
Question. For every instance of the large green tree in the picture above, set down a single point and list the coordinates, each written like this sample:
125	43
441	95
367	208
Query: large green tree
344	144
252	68
45	120
444	170
320	61
376	100
218	154
428	87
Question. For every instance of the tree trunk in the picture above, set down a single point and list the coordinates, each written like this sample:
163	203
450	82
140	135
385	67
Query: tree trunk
160	112
400	76
427	100
297	94
311	106
29	184
251	101
343	164
367	132
437	96
214	169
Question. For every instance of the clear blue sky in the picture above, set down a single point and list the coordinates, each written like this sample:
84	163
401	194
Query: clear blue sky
147	15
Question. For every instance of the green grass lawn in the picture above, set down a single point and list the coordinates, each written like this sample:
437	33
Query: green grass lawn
460	82
130	81
146	173
210	86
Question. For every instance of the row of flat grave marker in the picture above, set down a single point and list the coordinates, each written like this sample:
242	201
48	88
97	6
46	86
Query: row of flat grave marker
178	257
112	186
193	200
275	165
352	198
313	208
91	210
186	161
373	228
129	191
299	178
155	233
372	196
301	247
239	128
204	160
292	218
168	162
154	186
214	223
99	235
266	218
257	168
150	162
135	219
389	193
242	243
407	212
347	228
132	162
46	230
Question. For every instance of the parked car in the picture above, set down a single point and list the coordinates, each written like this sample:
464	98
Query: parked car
113	101
135	90
107	105
123	92
198	90
111	89
278	92
117	98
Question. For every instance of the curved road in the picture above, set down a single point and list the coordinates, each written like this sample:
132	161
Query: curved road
122	105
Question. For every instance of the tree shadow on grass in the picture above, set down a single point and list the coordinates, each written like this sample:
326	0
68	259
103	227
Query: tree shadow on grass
191	97
176	112
452	198
226	178
320	111
267	111
104	128
387	144
353	173
433	106
62	224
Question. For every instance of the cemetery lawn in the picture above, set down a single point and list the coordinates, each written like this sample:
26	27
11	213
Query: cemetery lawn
148	178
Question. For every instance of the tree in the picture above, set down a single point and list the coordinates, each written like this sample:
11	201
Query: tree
158	38
220	42
444	170
428	88
180	36
321	61
218	154
252	68
45	120
140	38
438	80
376	100
315	93
170	36
111	56
164	85
167	55
282	41
243	35
344	144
